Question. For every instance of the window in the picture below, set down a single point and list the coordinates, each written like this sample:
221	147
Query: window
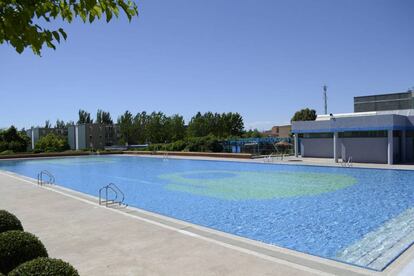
317	135
363	134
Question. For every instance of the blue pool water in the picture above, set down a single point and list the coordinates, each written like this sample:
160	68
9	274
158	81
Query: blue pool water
358	216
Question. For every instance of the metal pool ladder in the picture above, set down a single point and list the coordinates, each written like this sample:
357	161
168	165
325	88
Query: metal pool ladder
347	164
109	190
50	180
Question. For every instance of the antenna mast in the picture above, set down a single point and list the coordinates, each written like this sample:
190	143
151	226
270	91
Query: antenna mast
325	98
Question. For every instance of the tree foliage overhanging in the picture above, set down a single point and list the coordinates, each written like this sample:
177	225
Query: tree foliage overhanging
22	23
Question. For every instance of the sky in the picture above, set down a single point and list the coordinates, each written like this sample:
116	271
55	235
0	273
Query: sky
262	58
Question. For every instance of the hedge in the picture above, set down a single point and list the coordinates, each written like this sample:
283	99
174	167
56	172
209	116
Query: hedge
17	247
44	267
8	222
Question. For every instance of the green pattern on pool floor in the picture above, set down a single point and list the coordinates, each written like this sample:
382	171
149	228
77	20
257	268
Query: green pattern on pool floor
232	185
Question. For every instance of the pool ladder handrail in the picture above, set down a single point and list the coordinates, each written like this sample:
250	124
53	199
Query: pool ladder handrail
273	157
347	163
51	179
118	193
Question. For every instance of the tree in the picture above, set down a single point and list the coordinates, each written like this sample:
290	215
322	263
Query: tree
232	124
60	124
84	117
156	128
126	129
20	20
175	127
48	124
11	139
69	123
220	125
197	126
103	118
140	128
304	115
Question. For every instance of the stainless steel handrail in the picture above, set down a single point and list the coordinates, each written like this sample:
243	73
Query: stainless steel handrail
116	191
119	190
107	200
349	163
40	177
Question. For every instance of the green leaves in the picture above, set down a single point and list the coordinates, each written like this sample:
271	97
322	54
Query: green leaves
62	32
18	29
220	125
305	114
56	36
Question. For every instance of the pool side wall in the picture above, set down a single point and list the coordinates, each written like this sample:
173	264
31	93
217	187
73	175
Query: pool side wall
161	153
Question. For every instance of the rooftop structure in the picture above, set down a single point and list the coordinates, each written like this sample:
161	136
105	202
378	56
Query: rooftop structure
394	101
282	131
373	136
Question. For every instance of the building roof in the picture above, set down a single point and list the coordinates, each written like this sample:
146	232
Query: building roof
370	121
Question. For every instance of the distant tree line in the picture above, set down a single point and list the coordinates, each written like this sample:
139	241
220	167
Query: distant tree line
203	132
157	127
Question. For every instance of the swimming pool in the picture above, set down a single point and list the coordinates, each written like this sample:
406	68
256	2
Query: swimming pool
364	217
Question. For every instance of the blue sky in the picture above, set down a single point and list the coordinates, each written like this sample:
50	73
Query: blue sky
264	59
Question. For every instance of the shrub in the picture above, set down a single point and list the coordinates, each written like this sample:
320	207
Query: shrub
6	152
17	247
208	143
45	267
50	143
201	144
8	222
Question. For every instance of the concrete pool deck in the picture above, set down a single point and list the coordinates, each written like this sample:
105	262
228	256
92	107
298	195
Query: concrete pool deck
104	241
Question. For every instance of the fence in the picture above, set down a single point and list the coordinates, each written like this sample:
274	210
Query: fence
259	146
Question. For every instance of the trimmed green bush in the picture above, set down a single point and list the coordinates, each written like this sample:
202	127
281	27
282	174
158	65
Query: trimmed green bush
51	143
17	247
8	222
44	267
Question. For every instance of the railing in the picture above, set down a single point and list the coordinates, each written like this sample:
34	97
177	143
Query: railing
165	156
272	158
118	195
50	180
347	163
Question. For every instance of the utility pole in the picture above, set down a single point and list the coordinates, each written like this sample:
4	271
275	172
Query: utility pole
325	98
